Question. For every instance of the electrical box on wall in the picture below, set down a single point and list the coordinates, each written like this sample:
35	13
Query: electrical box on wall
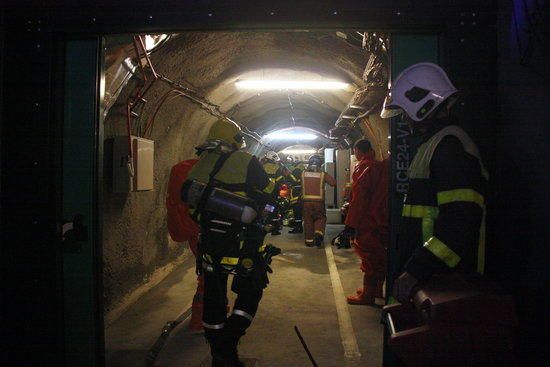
329	190
136	175
342	173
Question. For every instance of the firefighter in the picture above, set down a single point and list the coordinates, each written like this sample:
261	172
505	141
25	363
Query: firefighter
313	195
442	226
280	175
228	246
367	221
276	171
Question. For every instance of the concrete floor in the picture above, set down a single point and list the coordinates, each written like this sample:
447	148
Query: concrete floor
300	293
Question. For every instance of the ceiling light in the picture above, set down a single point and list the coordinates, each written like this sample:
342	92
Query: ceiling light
291	84
299	151
285	135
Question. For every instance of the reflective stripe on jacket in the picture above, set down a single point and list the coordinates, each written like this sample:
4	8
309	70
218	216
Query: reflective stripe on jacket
313	186
443	218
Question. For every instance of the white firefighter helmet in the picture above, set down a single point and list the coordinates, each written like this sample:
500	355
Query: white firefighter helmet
272	156
417	91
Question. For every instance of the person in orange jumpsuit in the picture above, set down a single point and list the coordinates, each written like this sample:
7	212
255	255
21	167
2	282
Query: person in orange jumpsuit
313	194
182	228
367	218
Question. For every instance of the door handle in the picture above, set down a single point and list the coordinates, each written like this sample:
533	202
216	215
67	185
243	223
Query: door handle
73	234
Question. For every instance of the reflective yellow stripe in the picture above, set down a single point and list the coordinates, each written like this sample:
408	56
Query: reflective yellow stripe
318	197
348	185
262	248
320	232
229	261
223	261
428	214
270	187
420	211
467	195
471	196
442	252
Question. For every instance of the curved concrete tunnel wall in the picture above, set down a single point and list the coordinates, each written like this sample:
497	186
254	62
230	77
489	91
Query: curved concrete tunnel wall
135	236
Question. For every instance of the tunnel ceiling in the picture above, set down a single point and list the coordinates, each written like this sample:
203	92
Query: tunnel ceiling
211	62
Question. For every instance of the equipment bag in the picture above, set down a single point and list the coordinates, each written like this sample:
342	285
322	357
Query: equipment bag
181	226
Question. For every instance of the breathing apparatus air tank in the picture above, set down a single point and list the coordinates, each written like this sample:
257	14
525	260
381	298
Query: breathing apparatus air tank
219	201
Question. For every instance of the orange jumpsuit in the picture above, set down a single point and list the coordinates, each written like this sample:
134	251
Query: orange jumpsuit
313	196
182	228
368	215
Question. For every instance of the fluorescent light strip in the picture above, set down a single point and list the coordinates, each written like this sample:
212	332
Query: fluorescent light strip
299	151
291	84
281	135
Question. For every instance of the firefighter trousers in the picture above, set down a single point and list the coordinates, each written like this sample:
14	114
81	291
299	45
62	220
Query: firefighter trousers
297	208
219	329
315	219
371	246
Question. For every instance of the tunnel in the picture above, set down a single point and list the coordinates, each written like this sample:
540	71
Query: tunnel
191	80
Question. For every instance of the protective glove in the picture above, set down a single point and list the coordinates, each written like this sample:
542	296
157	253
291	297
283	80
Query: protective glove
403	287
344	209
268	254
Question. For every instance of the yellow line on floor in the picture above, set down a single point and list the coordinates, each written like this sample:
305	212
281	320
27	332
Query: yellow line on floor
347	334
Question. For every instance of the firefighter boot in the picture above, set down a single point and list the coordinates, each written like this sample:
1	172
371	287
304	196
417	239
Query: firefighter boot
318	240
365	295
215	340
229	351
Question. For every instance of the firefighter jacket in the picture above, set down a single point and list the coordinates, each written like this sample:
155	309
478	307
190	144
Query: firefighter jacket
313	185
362	165
358	170
368	208
278	173
442	226
223	241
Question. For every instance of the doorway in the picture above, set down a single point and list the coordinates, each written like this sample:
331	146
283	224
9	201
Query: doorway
138	255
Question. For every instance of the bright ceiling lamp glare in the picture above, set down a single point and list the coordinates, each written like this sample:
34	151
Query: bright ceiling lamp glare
282	135
154	40
299	151
291	84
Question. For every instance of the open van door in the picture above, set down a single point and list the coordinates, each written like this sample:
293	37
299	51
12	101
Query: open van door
82	89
